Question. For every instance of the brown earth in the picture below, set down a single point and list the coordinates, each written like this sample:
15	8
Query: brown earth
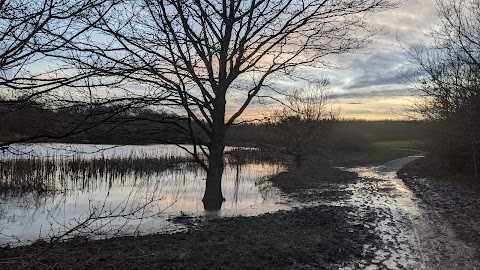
347	222
452	207
316	237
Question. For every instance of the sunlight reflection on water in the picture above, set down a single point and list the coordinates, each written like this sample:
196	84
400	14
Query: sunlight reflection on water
145	201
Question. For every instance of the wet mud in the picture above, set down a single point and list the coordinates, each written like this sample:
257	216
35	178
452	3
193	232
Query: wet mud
414	235
381	194
450	229
358	218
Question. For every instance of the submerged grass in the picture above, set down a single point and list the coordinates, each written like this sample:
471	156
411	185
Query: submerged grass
50	174
318	237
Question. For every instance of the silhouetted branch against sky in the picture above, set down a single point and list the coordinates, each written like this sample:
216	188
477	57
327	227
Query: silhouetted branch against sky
202	50
29	32
450	62
193	54
379	68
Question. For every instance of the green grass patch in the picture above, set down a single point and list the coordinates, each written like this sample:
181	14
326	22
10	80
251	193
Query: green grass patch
379	152
407	145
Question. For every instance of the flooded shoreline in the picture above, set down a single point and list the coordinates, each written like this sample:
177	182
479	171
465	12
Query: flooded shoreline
365	219
380	191
398	231
132	192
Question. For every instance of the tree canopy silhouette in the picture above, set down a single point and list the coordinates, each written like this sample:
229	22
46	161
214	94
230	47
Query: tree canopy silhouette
451	85
196	56
206	61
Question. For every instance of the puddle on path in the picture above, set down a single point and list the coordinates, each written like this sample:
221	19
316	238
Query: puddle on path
379	191
413	236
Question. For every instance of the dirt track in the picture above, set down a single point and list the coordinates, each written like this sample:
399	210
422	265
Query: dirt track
372	221
414	235
449	230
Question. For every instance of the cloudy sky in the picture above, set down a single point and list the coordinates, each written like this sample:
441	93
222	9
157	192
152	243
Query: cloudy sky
372	84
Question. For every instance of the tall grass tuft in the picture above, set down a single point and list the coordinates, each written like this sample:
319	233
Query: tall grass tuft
53	173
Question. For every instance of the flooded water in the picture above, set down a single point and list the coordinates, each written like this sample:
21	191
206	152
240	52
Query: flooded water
65	150
103	191
397	212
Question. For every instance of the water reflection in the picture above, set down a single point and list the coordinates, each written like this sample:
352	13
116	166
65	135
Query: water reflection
107	195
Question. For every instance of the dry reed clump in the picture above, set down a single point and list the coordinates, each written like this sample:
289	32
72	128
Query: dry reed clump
54	173
57	173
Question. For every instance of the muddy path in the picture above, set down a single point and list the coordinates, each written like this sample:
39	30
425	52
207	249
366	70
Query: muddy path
360	218
413	235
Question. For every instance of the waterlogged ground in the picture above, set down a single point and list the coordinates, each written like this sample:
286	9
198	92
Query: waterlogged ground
450	231
358	218
397	216
315	237
414	233
81	191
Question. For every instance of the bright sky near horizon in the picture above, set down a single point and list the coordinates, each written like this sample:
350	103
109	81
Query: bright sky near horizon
372	84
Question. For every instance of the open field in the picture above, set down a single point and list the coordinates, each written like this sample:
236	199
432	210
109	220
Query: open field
378	153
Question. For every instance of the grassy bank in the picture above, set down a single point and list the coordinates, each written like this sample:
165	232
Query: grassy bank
377	153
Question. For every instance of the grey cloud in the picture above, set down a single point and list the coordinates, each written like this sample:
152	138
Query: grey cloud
407	22
381	69
373	80
374	94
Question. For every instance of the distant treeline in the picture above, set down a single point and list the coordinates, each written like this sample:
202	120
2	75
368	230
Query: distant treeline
79	123
344	134
119	125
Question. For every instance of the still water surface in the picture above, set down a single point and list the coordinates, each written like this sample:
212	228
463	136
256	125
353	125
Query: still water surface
103	202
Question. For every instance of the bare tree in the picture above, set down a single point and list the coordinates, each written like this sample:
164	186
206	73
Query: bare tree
301	128
29	31
451	87
199	55
30	34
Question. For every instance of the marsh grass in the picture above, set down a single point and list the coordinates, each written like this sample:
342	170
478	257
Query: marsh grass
54	173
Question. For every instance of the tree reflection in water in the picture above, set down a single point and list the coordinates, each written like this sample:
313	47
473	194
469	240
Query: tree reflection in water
54	196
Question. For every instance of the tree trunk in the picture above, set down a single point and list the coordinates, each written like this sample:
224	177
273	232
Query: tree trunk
213	198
